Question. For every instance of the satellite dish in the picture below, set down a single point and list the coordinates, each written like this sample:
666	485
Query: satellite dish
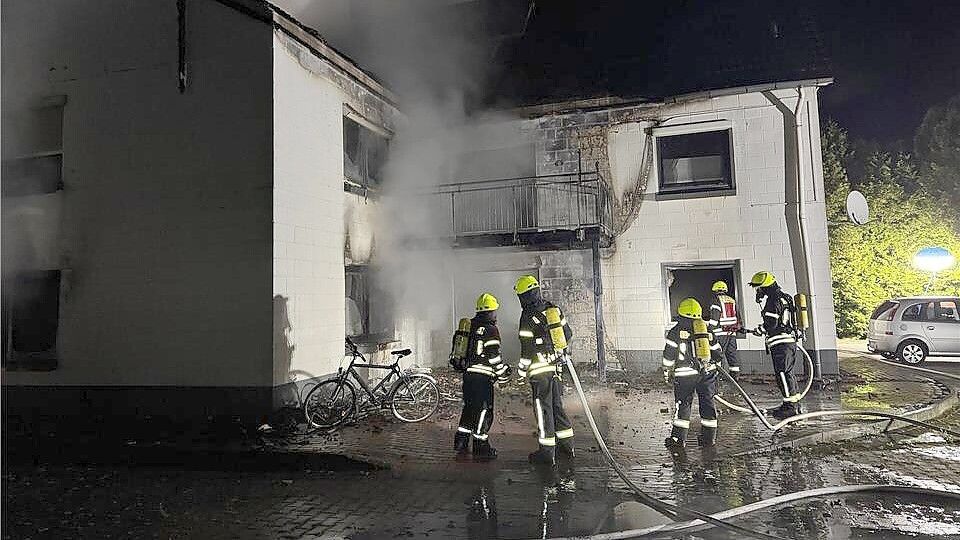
858	211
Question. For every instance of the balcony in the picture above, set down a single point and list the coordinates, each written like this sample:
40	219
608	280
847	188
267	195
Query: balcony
564	210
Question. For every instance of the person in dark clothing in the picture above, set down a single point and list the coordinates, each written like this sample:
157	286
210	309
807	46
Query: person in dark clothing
691	374
543	353
484	365
779	327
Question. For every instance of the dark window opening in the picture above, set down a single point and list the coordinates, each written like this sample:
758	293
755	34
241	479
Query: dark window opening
369	309
31	307
696	281
364	156
695	162
913	313
886	308
942	311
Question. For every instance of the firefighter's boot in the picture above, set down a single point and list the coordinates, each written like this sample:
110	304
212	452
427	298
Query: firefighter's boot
482	451
565	449
546	455
785	410
677	438
461	443
708	436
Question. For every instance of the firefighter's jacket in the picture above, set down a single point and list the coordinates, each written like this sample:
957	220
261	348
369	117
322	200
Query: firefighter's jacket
777	310
483	349
723	315
537	354
678	352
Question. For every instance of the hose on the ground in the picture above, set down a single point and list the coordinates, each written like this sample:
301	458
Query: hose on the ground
797	397
671	511
671	529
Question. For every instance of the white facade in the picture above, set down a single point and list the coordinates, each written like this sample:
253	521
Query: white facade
201	236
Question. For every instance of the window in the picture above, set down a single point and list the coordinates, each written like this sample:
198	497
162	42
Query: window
364	156
695	280
885	311
913	312
32	191
942	311
369	308
695	162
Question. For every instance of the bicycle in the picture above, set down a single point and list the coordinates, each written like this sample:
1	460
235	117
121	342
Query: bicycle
412	397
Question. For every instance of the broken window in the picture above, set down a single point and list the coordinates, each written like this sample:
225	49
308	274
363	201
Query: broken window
695	162
364	156
695	280
369	308
32	197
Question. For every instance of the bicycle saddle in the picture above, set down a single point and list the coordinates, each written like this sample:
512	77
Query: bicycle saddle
401	353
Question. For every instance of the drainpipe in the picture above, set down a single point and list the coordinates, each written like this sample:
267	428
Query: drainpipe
795	211
598	311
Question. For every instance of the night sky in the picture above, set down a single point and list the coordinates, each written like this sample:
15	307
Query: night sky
892	60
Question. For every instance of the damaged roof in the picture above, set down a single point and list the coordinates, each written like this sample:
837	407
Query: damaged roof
652	50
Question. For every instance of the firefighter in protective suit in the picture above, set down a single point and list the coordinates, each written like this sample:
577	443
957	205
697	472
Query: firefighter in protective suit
484	365
691	374
779	327
725	324
541	361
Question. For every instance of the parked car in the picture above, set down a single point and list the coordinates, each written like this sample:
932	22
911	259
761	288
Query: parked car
913	328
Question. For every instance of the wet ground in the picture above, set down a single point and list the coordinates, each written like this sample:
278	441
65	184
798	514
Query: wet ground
428	495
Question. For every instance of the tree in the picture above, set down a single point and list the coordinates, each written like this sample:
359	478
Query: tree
937	145
872	263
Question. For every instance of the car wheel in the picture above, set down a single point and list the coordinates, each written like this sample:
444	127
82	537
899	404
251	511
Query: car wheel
912	352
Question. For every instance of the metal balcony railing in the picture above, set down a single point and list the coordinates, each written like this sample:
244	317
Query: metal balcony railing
515	206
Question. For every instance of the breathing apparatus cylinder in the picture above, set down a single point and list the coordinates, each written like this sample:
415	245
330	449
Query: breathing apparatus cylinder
555	328
461	339
803	317
701	340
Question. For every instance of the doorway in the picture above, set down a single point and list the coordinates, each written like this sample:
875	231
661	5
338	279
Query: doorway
684	280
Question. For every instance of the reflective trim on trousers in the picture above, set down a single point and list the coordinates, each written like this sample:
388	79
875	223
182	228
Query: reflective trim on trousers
549	368
483	370
565	433
780	338
539	409
685	372
551	441
668	363
671	343
681	423
708	422
462	429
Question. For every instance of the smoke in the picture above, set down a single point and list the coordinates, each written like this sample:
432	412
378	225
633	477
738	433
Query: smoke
434	56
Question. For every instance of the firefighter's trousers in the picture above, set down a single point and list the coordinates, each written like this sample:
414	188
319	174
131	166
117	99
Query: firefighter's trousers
477	415
553	425
729	345
705	386
784	357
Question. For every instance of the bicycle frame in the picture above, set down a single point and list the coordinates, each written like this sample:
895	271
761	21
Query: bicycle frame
393	377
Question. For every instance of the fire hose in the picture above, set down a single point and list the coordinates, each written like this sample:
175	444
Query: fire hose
701	520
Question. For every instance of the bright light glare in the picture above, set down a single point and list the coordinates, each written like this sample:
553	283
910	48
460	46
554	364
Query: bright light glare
933	259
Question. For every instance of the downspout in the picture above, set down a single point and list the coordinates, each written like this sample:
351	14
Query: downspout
798	214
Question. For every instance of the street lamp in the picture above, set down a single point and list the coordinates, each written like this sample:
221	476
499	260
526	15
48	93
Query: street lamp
933	260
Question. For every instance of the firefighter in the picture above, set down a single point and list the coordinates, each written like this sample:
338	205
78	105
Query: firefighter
725	324
484	365
543	352
776	309
691	373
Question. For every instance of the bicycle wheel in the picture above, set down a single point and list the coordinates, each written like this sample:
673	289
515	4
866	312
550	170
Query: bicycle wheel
415	398
330	404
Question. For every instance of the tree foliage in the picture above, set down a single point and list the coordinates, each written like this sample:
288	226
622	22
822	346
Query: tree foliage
872	263
937	145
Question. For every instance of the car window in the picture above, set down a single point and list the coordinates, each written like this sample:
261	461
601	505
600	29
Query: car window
913	312
945	310
883	308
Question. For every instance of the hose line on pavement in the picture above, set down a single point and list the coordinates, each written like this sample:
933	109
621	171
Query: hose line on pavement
671	511
671	529
795	397
816	414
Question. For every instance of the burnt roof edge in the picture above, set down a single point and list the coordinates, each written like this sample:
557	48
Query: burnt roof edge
588	104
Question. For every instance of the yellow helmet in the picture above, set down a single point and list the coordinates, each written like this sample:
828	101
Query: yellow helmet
487	302
525	283
690	308
719	286
762	279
